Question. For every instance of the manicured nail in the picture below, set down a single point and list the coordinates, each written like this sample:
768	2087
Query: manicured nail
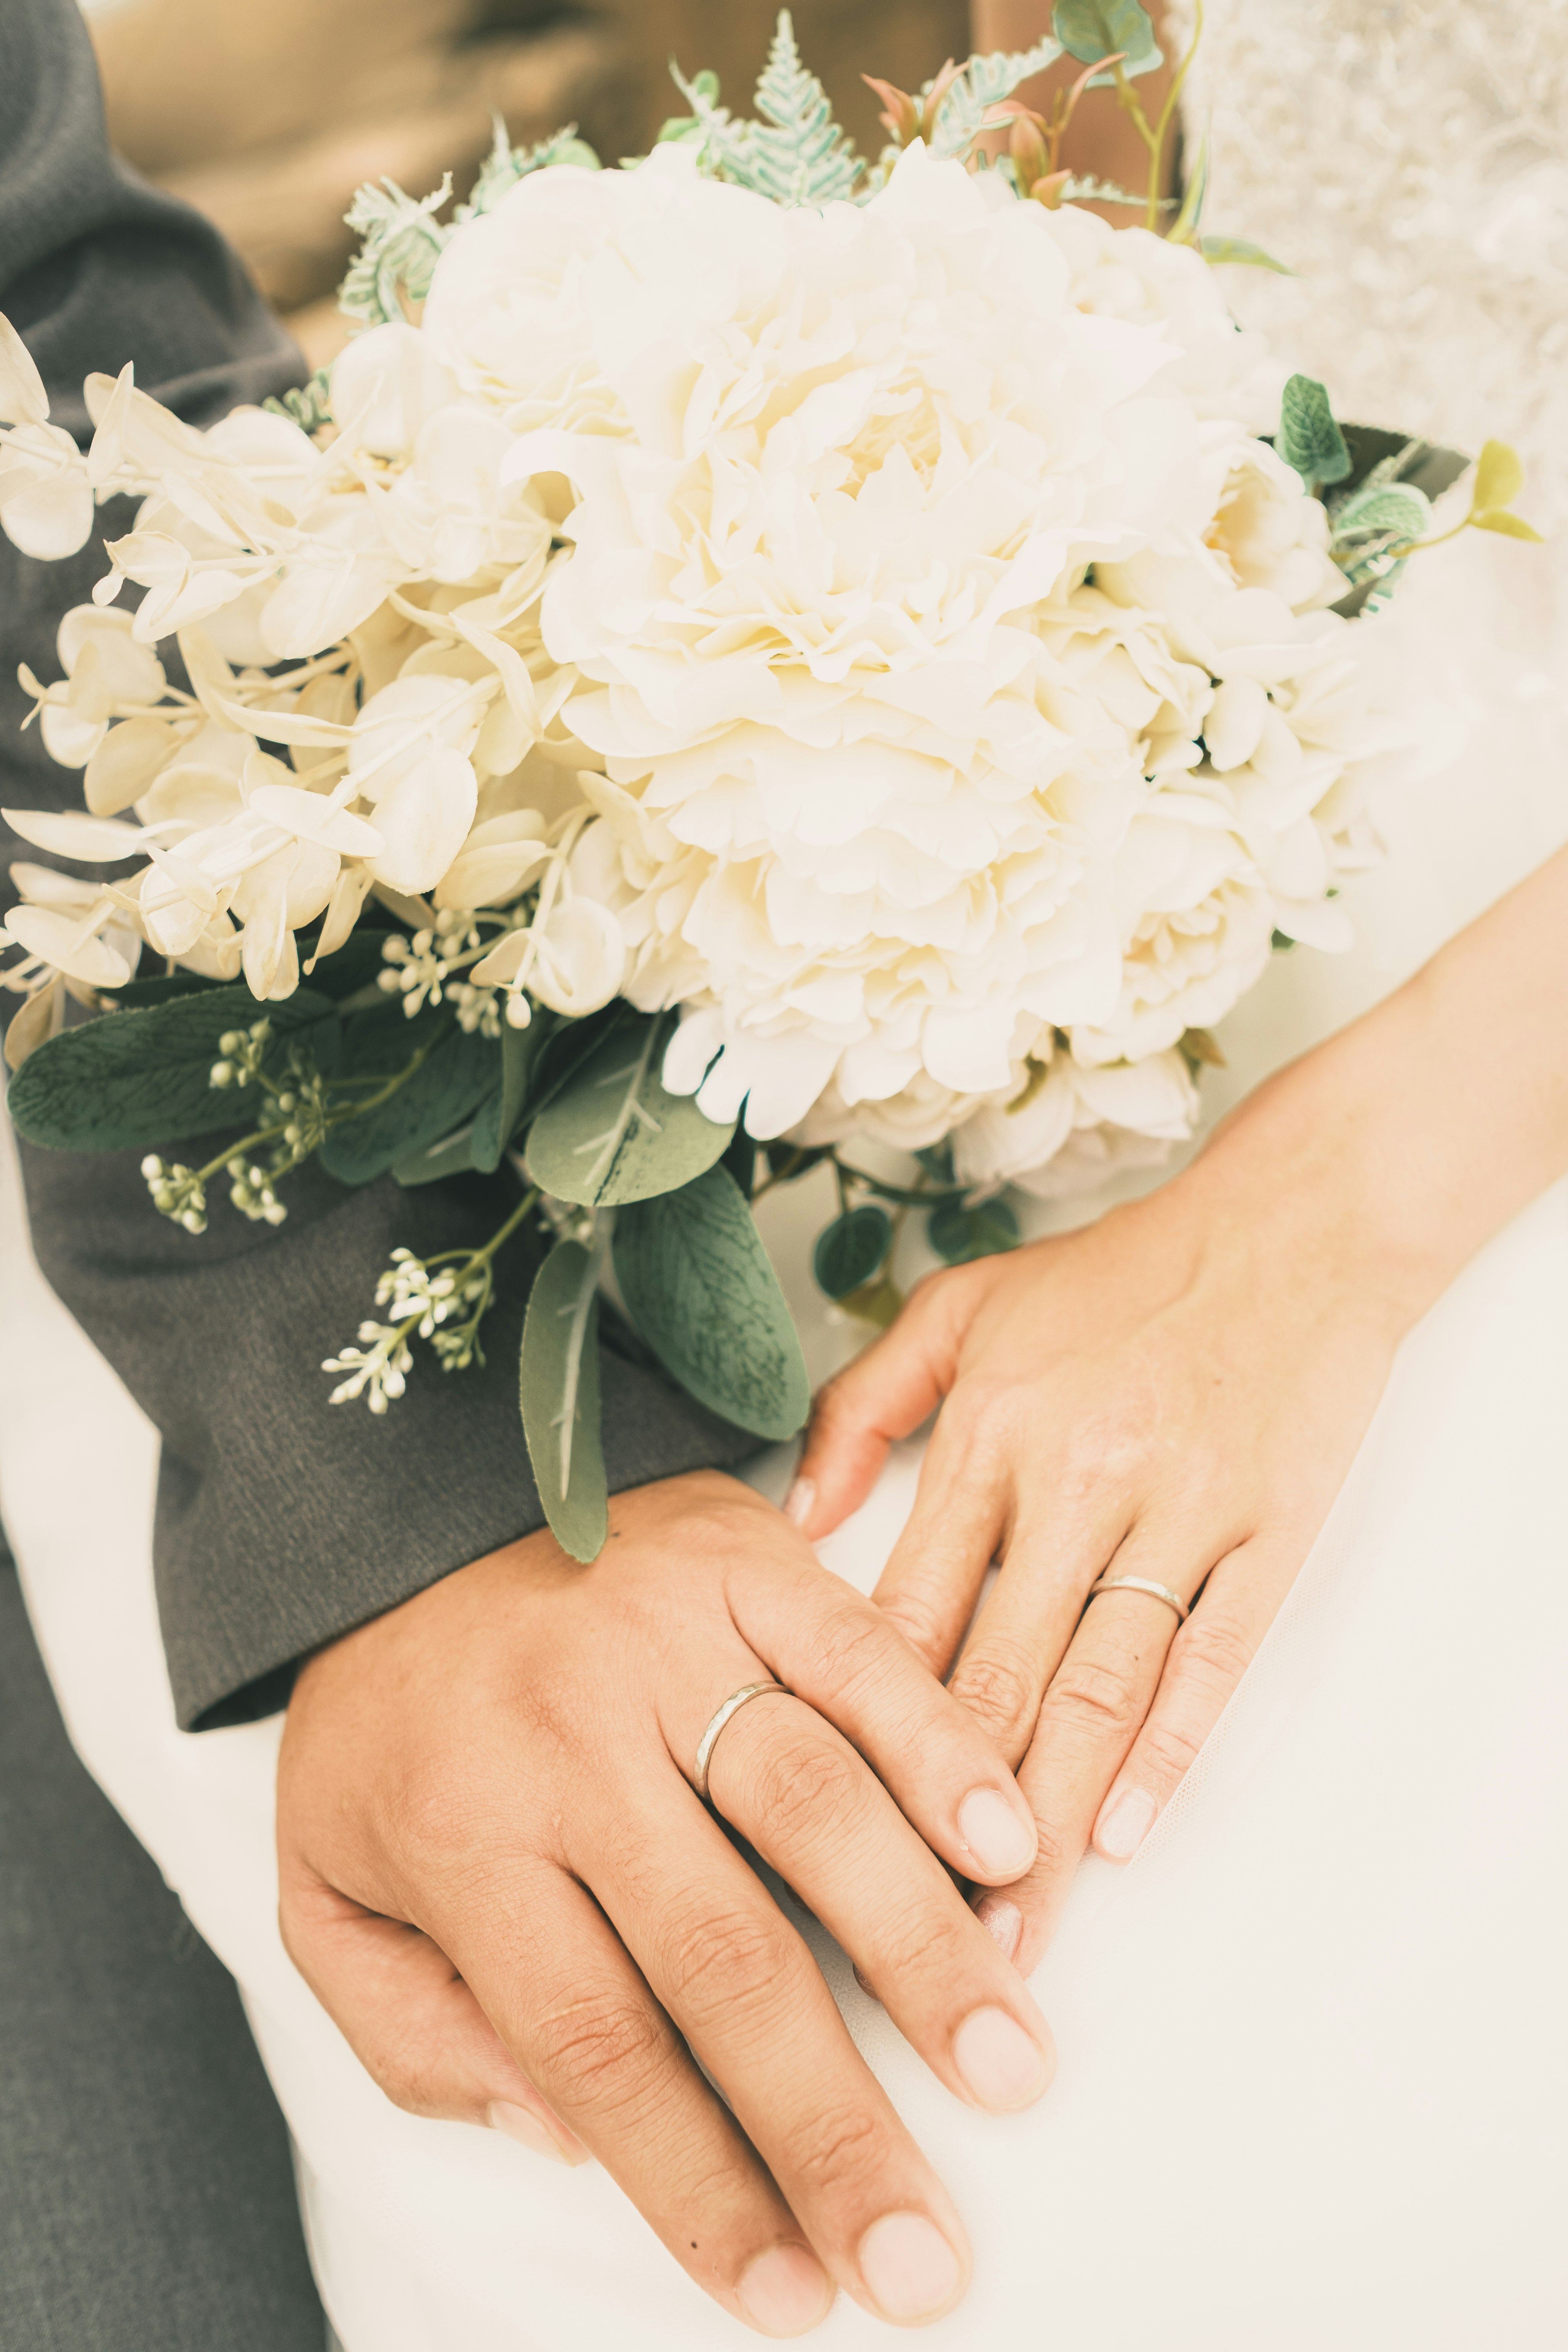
1002	1844
785	2291
1123	1826
798	1502
531	2131
1002	2065
910	2270
1003	1921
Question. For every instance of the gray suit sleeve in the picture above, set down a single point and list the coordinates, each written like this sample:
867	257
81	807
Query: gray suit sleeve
281	1521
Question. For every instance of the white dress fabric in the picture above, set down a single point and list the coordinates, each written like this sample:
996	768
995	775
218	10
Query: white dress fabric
1313	2047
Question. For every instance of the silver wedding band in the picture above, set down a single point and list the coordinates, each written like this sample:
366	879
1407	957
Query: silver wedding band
710	1740
1142	1585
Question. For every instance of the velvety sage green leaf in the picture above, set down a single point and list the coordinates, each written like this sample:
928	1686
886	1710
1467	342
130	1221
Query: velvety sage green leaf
1392	509
496	1121
850	1250
1242	250
1308	439
142	1077
614	1134
961	1234
698	1285
558	1389
163	990
452	1156
448	1086
1089	29
357	964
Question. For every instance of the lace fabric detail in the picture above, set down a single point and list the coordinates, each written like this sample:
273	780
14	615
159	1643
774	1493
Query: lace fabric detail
1409	158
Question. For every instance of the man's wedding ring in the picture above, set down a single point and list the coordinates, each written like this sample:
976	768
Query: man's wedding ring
1142	1585
710	1740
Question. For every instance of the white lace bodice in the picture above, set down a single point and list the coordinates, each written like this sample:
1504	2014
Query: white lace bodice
1409	158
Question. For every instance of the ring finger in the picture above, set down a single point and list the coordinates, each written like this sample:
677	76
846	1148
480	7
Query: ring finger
1091	1713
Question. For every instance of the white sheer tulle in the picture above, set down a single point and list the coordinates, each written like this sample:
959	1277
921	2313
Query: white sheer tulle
1313	2057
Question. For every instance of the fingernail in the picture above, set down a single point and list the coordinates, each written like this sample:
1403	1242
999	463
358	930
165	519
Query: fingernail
798	1502
528	2130
1003	1921
785	2291
1002	2065
1001	1844
1123	1826
910	2270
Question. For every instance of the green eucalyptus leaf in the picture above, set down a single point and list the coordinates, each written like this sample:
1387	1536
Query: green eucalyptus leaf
448	1086
1308	437
699	1287
453	1156
1241	249
499	1114
613	1133
1089	29
961	1234
558	1391
142	1077
851	1250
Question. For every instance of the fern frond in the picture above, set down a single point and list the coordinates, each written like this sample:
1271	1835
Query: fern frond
505	165
402	242
982	84
309	407
796	155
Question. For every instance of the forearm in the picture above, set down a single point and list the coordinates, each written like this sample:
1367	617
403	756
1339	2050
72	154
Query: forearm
1417	1132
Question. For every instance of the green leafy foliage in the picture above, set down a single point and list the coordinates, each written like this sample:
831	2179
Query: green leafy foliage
402	242
852	1249
308	405
500	1113
451	1082
452	1156
1500	478
1242	250
1511	526
558	1392
795	155
505	165
983	83
1089	29
699	1287
613	1133
959	1234
1308	439
142	1077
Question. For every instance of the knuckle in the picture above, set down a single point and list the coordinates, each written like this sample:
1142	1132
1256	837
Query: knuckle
852	1645
598	2049
1170	1747
1212	1647
1099	1700
800	1786
836	2148
721	1967
1000	1691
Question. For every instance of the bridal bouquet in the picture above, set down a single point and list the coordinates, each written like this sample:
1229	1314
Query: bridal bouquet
745	654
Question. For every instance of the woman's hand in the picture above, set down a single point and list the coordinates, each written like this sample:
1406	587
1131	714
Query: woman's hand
497	1877
1176	1392
1173	1393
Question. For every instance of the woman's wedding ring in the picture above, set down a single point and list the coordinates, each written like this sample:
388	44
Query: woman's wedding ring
710	1740
1142	1585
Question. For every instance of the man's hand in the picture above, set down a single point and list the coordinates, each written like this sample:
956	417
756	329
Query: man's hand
497	1877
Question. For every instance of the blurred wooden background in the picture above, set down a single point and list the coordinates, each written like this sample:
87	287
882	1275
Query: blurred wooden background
267	114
